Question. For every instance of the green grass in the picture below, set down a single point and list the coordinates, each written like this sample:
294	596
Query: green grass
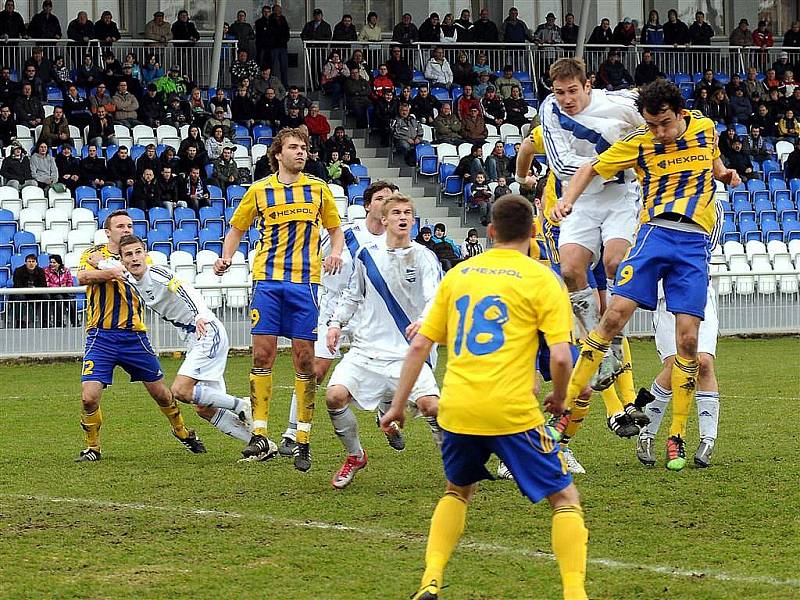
133	526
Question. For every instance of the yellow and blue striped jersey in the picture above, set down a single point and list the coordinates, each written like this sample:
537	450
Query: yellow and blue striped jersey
113	304
489	311
537	139
674	178
288	218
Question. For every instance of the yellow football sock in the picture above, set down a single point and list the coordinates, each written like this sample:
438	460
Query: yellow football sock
91	422
173	413
625	379
684	384
593	349
260	396
305	389
569	539
447	525
611	400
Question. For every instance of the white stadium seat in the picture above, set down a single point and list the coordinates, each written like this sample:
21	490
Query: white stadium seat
205	260
212	297
355	211
52	242
236	297
754	247
766	284
738	266
100	237
158	258
79	240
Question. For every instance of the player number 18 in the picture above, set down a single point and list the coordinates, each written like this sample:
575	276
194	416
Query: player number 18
485	334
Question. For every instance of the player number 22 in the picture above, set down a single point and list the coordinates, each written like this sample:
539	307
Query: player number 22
485	334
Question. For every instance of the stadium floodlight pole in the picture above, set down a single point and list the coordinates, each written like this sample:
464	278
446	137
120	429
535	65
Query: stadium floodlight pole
582	24
216	52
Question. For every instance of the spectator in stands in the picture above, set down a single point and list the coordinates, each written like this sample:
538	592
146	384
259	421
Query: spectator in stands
193	138
106	30
29	275
57	276
101	128
9	90
791	165
87	75
148	160
158	29
93	169
777	103
37	87
448	33
100	98
60	73
8	126
68	168
481	66
197	107
295	99
425	237
624	33
700	32
405	32
371	31
244	66
601	34
445	248
501	189
479	89
315	166
471	246
167	184
399	69
336	171
739	161
465	27
267	80
225	171
781	65
12	26
121	169
493	108
334	74
755	146
466	102
381	82
318	126
613	75
269	110
45	25
480	198
406	133
357	62
438	71
497	163
485	30
16	169
216	142
794	101
720	107
755	87
516	108
357	95
168	158
194	191
243	32
762	37
294	119
126	105
344	30
43	65
740	107
771	80
471	164
80	30
28	110
145	193
569	30
341	143
652	31
734	84
708	82
515	30
788	84
263	56
317	29
218	119
676	33
791	39
506	82
151	109
43	166
112	70
424	105
219	100
152	70
55	129
741	36
183	29
385	109
243	108
431	30
279	43
647	70
463	72
447	126
788	127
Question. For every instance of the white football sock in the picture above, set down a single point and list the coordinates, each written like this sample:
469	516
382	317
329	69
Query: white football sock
291	429
346	428
229	424
708	415
205	395
585	308
656	409
609	286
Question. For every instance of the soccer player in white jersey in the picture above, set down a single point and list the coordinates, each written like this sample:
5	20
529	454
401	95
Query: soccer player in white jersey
369	231
201	377
392	287
578	123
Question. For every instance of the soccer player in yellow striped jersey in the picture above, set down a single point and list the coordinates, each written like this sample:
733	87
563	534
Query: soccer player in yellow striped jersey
116	336
289	208
676	159
489	312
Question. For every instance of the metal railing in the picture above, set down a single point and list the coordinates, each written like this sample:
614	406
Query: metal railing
49	322
194	59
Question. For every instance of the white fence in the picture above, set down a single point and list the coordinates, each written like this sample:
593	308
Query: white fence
32	325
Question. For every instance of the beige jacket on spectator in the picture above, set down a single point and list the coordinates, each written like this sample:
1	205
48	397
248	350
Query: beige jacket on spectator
126	104
369	33
158	33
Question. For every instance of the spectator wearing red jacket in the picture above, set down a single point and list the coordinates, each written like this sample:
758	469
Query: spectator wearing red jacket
466	102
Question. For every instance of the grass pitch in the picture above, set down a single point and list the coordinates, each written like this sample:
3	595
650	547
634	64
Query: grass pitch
154	521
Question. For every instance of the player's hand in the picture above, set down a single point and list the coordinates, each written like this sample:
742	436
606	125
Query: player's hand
734	178
413	329
393	420
561	210
332	339
201	328
332	264
117	272
554	404
221	265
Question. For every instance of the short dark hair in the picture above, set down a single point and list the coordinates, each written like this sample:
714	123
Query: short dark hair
658	96
512	218
33	256
377	186
117	213
130	239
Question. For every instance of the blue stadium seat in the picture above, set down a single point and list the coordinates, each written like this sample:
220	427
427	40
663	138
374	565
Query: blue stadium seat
453	186
5	275
441	94
244	248
215	227
775	182
158	214
749	231
355	190
22	238
209	170
210	240
111	150
140	228
17	260
429	165
522	76
262	134
92	204
756	185
185	240
102	214
791	231
137	214
770	230
85	191
210	212
794	186
136	151
680	78
687	90
741	202
445	171
233	192
6	252
769	166
43	260
159	240
783	201
8	226
215	191
359	171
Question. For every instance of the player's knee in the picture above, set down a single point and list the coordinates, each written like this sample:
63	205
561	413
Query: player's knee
610	265
182	393
321	369
706	366
428	406
90	402
569	495
205	412
463	492
336	397
686	342
263	357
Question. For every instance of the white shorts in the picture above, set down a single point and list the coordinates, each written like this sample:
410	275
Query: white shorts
372	380
207	357
598	218
664	325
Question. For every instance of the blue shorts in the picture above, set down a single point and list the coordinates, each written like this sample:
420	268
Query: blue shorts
550	234
533	457
284	308
543	357
109	348
677	258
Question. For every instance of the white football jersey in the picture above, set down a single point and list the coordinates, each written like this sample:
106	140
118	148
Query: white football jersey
570	141
390	288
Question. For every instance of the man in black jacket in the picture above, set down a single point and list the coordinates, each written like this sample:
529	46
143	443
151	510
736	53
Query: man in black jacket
80	29
8	126
9	90
151	108
101	128
700	32
93	169
340	143
485	29
423	105
647	70
28	110
168	185
183	29
122	169
45	25
29	275
11	23
263	56
279	42
399	69
69	168
405	32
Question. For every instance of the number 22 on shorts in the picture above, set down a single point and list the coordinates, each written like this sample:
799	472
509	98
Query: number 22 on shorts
485	334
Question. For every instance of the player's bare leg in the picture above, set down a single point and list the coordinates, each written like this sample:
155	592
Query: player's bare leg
429	408
265	349
305	387
91	420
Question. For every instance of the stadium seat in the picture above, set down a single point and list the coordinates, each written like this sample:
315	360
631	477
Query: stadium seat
355	190
213	297
205	260
738	266
185	240
355	211
100	237
79	240
787	282
158	258
53	242
765	284
159	240
262	136
108	192
32	221
143	135
236	297
209	240
755	185
234	192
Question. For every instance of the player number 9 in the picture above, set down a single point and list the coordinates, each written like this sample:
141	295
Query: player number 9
625	275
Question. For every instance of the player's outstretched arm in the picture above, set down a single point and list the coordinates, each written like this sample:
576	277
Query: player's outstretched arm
524	161
94	276
727	176
583	177
560	370
418	353
229	246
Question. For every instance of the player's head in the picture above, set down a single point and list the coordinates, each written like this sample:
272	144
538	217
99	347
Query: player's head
512	219
133	254
398	215
375	194
570	85
289	151
117	225
661	105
